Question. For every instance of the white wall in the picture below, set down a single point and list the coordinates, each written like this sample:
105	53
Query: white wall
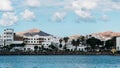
79	48
8	36
17	42
118	43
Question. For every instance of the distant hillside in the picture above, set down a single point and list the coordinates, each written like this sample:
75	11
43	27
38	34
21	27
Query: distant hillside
74	36
101	35
106	35
32	32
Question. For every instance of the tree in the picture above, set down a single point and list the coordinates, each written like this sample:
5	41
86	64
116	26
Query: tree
23	44
11	46
35	48
82	40
77	43
93	42
65	40
110	43
60	45
8	47
60	41
53	47
42	48
39	49
73	42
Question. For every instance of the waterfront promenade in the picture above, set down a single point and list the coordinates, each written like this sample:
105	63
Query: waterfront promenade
58	53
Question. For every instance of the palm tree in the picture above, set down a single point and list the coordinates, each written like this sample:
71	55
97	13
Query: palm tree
82	40
77	42
35	48
65	40
73	42
60	41
39	49
42	48
60	45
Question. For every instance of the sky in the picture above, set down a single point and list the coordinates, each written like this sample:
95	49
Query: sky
61	17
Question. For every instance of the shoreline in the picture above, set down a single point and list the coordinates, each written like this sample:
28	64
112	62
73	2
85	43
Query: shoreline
38	53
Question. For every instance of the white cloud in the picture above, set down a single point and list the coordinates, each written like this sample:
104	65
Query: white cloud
84	4
8	19
5	5
108	5
83	14
94	4
85	8
82	8
59	16
105	18
55	3
33	3
28	15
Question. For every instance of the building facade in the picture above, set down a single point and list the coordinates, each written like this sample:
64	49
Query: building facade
8	36
30	40
118	43
1	41
38	40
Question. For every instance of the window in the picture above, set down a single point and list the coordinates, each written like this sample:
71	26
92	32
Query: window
9	40
28	41
25	41
4	36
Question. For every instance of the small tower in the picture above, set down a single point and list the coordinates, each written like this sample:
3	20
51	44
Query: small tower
8	36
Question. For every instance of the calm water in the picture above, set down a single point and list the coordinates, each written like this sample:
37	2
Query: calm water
59	61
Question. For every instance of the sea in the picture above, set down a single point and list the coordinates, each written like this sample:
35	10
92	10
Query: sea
60	61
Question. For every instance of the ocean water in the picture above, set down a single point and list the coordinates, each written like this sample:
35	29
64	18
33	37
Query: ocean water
60	61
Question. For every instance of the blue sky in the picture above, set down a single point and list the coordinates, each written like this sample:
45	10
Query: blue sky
61	17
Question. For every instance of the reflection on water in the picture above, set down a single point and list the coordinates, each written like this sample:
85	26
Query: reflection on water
59	61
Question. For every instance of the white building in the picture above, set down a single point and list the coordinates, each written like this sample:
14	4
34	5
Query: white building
8	36
118	43
39	40
79	48
1	41
30	39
